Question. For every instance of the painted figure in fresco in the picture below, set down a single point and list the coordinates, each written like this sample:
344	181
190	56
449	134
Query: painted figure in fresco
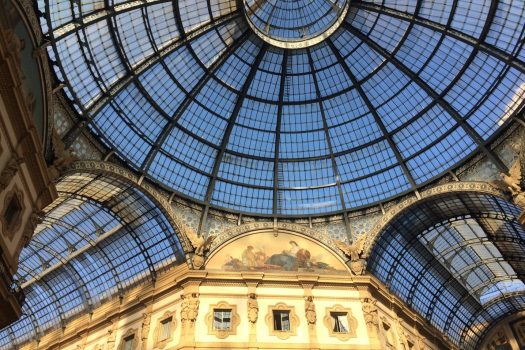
263	258
249	258
292	259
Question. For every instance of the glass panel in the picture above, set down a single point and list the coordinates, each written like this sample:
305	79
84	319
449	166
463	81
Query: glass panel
165	328
128	342
281	320
222	319
339	322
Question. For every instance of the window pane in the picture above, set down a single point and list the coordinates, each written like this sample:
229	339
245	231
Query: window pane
281	320
128	343
339	322
165	328
222	319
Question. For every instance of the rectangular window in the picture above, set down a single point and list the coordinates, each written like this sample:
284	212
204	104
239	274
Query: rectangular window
222	319
281	320
165	328
339	322
128	342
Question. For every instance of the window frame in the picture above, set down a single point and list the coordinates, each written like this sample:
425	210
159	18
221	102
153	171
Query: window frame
350	319
159	343
293	319
131	334
234	320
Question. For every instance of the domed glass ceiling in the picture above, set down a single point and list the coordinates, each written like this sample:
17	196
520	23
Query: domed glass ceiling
294	23
187	93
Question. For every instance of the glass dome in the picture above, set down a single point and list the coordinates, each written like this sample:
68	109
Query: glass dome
295	23
188	94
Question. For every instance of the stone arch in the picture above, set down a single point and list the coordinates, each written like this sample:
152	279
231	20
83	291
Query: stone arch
454	256
112	170
440	190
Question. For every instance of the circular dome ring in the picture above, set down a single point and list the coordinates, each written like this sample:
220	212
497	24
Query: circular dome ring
304	40
358	119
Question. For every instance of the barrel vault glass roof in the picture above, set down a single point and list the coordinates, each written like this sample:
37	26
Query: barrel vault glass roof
98	239
458	261
187	94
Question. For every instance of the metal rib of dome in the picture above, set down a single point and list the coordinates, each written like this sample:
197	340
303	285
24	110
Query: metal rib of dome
295	23
187	94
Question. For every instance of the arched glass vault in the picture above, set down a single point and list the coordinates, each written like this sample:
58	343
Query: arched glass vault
100	237
458	260
186	94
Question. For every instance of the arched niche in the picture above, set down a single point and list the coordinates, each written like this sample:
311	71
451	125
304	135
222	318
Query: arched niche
280	250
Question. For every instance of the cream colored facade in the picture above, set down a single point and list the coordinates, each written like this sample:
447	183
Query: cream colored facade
379	320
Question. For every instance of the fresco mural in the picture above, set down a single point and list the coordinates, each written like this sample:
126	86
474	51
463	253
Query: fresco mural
266	252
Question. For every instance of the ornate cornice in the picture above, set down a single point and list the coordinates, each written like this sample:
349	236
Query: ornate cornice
452	187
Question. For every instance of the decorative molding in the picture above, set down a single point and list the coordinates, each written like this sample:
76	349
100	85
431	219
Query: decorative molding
253	309
26	10
189	309
161	343
294	321
235	320
9	171
452	187
351	320
144	332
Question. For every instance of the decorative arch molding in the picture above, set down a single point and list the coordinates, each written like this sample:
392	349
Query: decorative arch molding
27	12
448	188
118	172
280	227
